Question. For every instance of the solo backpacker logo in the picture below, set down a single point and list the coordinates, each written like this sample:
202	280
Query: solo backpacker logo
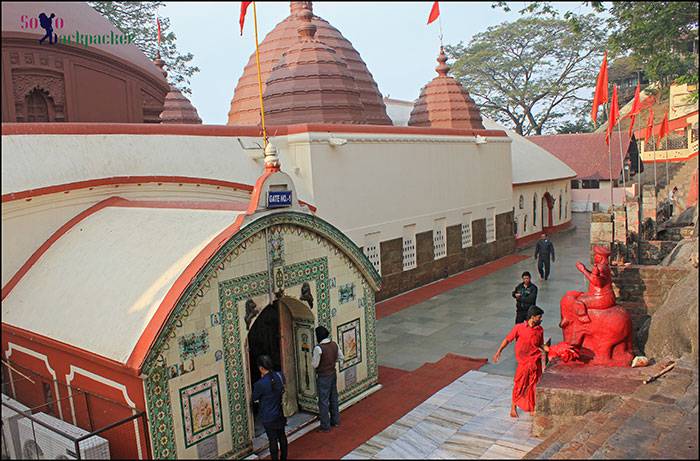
51	22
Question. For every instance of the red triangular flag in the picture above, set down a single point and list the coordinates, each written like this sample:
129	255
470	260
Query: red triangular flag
244	9
434	12
158	25
631	128
663	129
601	88
636	104
614	115
650	126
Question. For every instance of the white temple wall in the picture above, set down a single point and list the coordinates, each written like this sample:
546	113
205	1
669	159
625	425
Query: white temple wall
532	194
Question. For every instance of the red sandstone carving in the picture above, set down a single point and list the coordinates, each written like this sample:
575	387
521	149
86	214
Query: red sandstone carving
593	322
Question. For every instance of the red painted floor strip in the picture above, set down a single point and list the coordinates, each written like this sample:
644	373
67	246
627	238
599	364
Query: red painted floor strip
400	302
402	391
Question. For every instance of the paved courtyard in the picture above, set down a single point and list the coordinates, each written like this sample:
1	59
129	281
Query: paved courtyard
469	417
473	319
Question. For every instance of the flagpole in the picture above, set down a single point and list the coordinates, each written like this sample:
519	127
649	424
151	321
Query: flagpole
612	199
640	214
260	90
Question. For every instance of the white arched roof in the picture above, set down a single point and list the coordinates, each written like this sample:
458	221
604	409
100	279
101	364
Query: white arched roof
98	286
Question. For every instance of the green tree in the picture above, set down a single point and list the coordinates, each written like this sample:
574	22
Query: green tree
530	73
139	20
658	35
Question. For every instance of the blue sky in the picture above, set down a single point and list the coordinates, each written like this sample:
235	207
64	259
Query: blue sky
392	38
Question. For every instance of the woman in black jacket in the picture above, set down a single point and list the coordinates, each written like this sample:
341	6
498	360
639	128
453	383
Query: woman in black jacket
268	390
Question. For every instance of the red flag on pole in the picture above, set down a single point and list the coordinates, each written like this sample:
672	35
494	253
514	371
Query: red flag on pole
614	115
158	25
601	88
434	12
244	9
650	126
663	129
636	104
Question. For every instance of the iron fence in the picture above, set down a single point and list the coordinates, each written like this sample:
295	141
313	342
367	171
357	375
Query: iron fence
77	425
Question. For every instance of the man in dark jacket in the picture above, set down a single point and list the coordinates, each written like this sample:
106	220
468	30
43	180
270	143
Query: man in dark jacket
525	295
543	251
325	355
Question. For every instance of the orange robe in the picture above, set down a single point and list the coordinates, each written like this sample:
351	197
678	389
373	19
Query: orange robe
528	340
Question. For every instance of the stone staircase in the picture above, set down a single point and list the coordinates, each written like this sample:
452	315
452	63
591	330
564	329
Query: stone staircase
659	420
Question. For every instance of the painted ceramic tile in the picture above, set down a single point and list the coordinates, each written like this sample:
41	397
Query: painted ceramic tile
350	376
276	246
346	293
349	339
201	410
193	345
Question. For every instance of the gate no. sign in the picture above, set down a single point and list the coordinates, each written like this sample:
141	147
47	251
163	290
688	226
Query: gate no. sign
279	198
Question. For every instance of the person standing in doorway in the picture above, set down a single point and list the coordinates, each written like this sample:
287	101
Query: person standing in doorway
525	295
325	355
268	390
544	250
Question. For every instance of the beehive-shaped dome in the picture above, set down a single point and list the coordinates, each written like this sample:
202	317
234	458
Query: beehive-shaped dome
444	103
177	108
245	105
311	83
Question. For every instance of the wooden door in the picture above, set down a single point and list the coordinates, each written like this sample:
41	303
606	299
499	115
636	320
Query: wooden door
289	368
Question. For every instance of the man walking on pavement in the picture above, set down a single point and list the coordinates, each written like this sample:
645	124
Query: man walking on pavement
525	295
543	251
325	355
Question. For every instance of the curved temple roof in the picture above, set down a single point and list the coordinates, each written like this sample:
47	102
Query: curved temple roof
245	105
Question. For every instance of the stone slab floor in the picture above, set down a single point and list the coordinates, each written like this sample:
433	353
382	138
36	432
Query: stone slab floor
469	418
473	319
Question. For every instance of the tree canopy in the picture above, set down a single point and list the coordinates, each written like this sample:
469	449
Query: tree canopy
139	20
530	73
659	36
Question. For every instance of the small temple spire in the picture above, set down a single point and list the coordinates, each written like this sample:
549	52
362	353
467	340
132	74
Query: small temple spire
306	30
176	107
442	68
272	160
160	63
295	7
445	103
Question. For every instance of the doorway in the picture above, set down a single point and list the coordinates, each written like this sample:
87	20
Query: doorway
272	333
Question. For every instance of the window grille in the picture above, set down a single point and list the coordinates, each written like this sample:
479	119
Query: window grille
439	239
491	224
409	247
466	230
372	250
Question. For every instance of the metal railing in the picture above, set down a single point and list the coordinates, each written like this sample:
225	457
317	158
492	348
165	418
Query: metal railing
80	425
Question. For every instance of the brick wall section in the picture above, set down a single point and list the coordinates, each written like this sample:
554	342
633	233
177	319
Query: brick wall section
395	280
645	285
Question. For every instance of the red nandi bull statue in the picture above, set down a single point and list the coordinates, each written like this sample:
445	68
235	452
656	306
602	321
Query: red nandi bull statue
593	322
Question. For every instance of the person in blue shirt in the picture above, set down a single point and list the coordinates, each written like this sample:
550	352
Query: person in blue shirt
268	390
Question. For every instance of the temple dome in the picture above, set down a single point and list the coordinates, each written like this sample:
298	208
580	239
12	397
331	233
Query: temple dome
444	103
311	84
177	108
245	105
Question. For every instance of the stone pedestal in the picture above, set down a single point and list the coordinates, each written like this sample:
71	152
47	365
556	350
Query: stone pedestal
633	217
602	230
619	224
568	391
649	203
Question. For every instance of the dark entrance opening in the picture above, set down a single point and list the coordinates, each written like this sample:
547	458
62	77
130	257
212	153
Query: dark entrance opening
264	339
